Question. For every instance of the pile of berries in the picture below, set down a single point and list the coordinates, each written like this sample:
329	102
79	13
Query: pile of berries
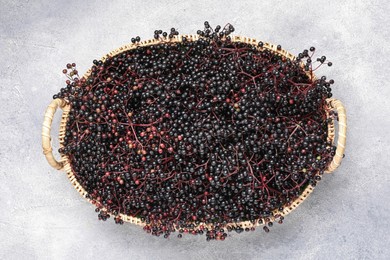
197	136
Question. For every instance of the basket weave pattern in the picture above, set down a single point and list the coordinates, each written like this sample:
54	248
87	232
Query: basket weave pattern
64	163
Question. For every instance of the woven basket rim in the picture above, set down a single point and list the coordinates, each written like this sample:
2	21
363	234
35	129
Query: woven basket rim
190	37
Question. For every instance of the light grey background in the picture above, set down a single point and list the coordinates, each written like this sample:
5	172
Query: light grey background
43	217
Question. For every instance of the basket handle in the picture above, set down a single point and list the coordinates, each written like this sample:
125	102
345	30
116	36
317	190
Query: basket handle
46	127
336	104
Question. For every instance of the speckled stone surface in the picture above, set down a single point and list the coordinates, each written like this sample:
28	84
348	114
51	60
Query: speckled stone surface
43	217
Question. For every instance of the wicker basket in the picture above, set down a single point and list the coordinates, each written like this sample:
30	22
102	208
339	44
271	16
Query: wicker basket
64	164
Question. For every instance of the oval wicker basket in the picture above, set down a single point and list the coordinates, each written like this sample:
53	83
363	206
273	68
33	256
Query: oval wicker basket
64	164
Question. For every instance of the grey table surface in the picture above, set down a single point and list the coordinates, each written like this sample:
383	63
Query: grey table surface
43	217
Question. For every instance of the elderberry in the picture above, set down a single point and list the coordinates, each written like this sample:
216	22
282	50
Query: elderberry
194	135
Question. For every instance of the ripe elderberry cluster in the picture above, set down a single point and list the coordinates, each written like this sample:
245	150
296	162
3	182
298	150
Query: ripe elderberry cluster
197	136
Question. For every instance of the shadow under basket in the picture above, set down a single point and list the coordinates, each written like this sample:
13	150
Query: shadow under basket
64	164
